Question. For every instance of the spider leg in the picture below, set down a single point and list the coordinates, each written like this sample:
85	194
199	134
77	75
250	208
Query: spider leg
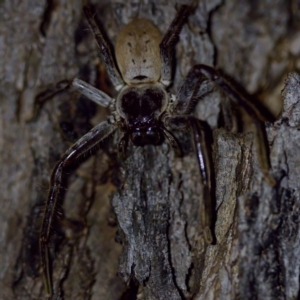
172	141
195	86
202	137
83	147
256	111
77	85
90	92
203	150
104	46
169	41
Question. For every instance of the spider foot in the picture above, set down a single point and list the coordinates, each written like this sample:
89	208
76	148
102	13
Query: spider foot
208	235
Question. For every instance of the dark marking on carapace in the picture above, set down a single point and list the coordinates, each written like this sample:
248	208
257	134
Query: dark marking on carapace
140	77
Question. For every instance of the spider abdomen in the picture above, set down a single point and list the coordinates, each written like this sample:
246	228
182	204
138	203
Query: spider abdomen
137	52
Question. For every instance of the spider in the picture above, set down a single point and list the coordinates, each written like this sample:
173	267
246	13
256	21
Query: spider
145	112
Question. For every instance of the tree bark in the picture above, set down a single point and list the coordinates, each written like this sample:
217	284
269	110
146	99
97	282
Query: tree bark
150	202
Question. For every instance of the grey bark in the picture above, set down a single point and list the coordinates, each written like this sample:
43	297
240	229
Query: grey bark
157	204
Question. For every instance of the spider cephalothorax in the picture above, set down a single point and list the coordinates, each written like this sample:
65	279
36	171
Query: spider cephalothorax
140	108
143	110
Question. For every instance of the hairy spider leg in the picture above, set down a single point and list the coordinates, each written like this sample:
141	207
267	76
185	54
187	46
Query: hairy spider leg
84	147
169	41
104	46
77	85
256	111
195	86
186	99
186	102
202	138
172	142
90	92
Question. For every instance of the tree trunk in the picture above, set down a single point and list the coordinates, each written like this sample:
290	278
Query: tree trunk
151	201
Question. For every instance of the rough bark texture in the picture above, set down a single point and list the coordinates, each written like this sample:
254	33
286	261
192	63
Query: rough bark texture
157	202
